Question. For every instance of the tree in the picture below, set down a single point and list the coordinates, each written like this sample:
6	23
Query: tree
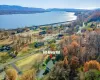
74	64
74	37
93	64
75	44
53	46
29	75
65	51
95	16
74	48
65	62
92	75
59	72
92	46
11	74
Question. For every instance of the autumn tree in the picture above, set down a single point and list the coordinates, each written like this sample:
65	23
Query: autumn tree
65	51
11	74
74	64
65	62
74	48
29	75
92	70
93	64
74	37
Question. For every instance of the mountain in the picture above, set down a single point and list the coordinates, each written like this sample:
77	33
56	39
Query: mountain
13	9
98	9
67	10
94	16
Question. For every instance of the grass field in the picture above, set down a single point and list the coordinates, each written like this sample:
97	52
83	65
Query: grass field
28	62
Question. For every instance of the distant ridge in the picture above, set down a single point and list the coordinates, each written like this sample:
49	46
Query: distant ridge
13	9
65	9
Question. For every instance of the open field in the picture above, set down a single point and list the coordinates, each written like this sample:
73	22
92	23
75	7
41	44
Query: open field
27	63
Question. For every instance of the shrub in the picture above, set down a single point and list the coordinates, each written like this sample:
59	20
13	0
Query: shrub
92	75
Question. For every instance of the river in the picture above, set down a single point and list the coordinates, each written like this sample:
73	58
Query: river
14	21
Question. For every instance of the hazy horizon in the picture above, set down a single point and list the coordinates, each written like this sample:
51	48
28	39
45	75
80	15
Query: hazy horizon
76	4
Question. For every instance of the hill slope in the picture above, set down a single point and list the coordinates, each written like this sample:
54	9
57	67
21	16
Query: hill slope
7	9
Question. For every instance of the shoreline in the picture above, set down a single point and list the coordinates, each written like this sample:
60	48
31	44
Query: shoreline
51	24
25	13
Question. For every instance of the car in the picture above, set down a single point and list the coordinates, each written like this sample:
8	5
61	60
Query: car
5	48
43	32
1	49
8	48
20	31
1	70
12	55
38	44
13	33
60	35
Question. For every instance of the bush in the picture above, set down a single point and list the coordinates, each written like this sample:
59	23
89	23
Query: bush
92	75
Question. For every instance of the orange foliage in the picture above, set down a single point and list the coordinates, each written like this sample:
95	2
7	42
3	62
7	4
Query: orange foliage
93	64
65	60
62	41
98	31
29	75
70	49
65	37
75	44
65	51
82	50
74	37
74	62
11	74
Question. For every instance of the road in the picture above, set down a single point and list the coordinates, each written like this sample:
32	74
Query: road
16	68
17	59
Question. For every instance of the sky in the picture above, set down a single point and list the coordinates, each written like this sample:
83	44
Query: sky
78	4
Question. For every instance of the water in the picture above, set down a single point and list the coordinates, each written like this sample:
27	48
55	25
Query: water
21	20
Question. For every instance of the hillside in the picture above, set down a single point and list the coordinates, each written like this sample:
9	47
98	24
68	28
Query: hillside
14	9
65	9
95	16
8	9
